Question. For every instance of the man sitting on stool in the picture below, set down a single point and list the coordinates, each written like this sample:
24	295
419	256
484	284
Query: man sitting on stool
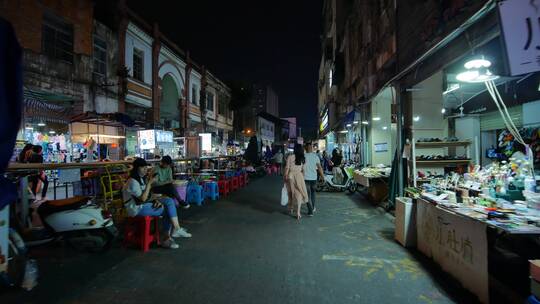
164	181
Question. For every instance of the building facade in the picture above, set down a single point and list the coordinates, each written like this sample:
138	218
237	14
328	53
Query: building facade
265	99
82	61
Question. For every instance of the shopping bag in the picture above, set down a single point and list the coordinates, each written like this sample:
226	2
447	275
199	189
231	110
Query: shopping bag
284	196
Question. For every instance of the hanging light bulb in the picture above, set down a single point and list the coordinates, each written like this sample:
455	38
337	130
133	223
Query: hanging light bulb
477	71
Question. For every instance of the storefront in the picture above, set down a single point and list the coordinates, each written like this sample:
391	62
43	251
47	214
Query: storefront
153	143
101	136
470	128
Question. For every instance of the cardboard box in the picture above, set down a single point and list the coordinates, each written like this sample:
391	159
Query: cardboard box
535	269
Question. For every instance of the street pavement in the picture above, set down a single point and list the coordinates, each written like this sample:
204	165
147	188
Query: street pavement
245	249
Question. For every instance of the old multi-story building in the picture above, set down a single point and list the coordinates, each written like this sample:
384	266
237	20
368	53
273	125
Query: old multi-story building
84	65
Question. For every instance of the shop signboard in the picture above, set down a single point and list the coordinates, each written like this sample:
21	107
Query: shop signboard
206	141
457	243
147	139
381	147
324	122
164	136
521	32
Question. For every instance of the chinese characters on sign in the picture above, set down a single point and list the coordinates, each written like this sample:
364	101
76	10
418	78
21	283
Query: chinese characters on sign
458	244
520	22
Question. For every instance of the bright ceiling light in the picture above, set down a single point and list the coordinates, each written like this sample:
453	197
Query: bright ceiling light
385	128
477	63
52	132
365	122
29	128
349	125
475	76
344	131
376	118
468	76
107	136
41	124
477	71
443	110
355	122
416	118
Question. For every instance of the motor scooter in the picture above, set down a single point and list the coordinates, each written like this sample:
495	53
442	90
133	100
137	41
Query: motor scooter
77	220
329	183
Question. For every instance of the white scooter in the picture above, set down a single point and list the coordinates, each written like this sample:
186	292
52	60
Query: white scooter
79	221
329	182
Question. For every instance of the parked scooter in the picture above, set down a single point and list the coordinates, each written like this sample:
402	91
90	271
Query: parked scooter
80	222
329	183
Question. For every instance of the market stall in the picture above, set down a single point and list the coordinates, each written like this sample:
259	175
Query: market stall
374	180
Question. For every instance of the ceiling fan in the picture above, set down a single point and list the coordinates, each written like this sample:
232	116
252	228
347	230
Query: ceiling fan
461	114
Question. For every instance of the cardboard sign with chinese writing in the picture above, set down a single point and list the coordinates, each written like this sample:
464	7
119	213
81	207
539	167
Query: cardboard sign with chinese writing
457	243
520	22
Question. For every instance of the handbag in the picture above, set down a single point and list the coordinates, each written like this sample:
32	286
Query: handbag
284	196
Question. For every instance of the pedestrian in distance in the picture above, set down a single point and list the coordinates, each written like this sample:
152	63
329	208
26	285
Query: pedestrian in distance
278	160
312	171
294	180
36	157
23	154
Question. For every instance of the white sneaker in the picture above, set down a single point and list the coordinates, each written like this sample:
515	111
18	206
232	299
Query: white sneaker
177	233
169	244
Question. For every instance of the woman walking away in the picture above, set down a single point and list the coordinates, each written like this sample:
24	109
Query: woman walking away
294	179
138	201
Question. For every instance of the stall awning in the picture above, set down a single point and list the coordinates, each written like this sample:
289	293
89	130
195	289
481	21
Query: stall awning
46	107
105	119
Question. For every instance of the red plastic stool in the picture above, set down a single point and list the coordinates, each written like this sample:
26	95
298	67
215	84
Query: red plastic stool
223	186
241	181
138	231
235	183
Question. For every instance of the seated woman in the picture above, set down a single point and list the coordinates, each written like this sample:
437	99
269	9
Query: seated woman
163	183
138	202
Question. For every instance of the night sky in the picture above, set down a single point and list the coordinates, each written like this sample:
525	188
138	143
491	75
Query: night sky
275	42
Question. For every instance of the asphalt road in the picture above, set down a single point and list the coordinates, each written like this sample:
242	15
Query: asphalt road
246	250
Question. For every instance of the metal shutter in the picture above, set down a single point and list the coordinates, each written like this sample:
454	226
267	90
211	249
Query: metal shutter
493	120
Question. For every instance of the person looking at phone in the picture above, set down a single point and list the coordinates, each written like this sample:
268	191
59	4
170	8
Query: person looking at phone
163	183
138	201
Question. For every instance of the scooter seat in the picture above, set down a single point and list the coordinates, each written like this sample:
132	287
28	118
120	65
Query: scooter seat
68	201
53	206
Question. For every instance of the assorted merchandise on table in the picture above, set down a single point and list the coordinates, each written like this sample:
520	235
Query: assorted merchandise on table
502	194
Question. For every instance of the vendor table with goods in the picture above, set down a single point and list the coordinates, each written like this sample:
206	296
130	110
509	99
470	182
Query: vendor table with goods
375	181
460	219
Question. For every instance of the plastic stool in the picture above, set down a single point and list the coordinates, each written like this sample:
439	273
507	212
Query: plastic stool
211	190
223	186
138	231
195	195
235	183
